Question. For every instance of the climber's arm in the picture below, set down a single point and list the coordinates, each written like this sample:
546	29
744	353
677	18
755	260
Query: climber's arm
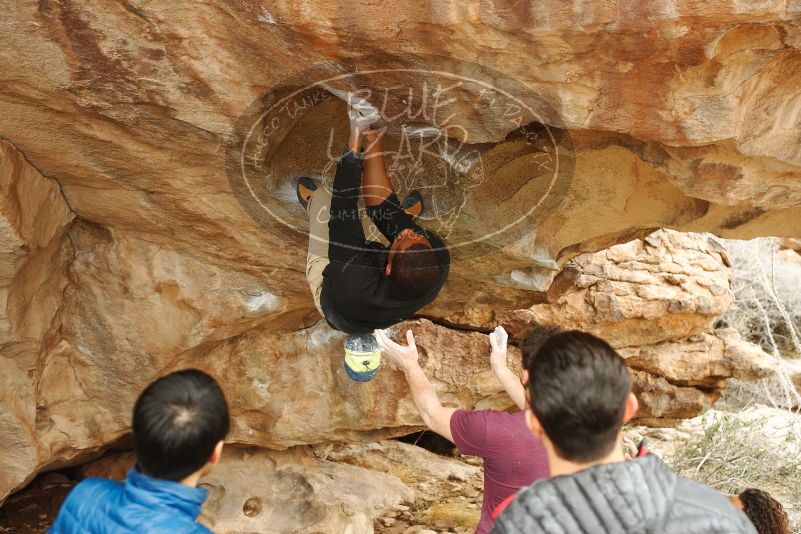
355	139
435	416
376	186
383	206
508	379
511	384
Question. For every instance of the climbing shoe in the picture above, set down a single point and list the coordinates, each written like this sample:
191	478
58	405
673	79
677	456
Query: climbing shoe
413	204
362	357
305	187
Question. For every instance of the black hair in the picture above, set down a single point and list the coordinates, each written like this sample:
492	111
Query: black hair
578	387
416	270
177	422
535	337
765	512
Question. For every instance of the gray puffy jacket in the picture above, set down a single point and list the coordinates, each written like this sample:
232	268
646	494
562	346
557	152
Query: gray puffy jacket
642	496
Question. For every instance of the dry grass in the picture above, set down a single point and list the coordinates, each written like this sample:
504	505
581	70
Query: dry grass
729	456
767	309
731	452
406	474
454	512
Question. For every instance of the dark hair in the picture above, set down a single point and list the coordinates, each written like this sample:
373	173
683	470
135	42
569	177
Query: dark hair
535	337
765	512
578	387
177	422
416	270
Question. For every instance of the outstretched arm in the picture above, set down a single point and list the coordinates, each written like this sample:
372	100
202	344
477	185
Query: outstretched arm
435	416
376	186
360	116
510	381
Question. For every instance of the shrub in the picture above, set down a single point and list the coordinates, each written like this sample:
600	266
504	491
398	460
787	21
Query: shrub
767	290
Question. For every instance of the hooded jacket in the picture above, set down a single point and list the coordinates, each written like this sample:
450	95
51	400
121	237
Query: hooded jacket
641	496
142	504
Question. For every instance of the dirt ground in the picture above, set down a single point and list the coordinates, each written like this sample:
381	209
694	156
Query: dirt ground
447	503
448	487
441	506
33	510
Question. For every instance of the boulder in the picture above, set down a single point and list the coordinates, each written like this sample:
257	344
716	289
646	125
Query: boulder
289	492
147	219
158	310
655	300
134	110
34	255
285	381
395	457
256	490
666	286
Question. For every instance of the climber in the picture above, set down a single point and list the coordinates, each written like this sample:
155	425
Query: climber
359	284
513	457
179	424
579	395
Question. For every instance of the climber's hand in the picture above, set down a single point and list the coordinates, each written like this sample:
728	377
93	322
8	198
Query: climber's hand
361	113
498	339
629	449
404	357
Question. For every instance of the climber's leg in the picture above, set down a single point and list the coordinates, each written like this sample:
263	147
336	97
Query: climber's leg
317	257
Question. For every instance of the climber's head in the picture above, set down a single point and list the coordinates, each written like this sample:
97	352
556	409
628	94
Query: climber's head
765	512
535	337
580	396
413	264
179	424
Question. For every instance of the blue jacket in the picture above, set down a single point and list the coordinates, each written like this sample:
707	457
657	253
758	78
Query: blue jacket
142	505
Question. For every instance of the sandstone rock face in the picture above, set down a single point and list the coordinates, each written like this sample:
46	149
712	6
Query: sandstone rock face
336	487
677	113
33	221
129	248
790	251
288	387
664	287
288	492
306	397
292	492
655	300
791	244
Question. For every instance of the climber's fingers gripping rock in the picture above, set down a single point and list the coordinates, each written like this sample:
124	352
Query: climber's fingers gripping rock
401	356
498	341
361	113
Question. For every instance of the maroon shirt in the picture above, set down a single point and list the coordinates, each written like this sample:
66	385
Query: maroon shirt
513	457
